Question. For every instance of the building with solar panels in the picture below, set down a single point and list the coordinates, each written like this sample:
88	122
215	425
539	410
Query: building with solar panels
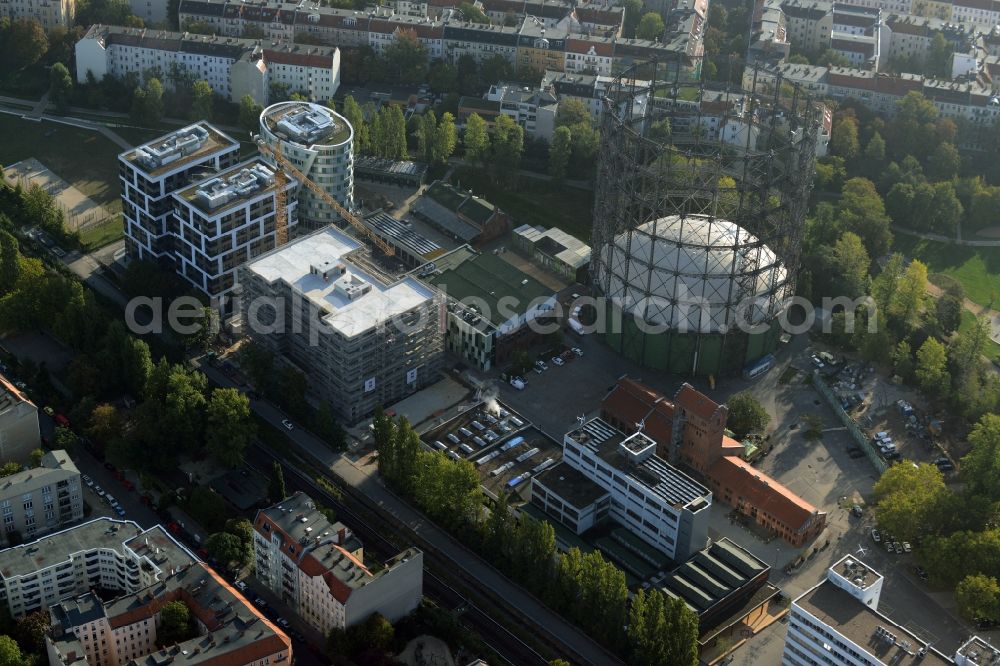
401	173
653	499
413	248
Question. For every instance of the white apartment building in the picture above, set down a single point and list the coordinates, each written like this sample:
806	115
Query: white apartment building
110	554
152	12
19	431
318	569
838	622
225	220
229	629
49	13
233	67
37	501
361	341
151	173
653	499
535	111
320	144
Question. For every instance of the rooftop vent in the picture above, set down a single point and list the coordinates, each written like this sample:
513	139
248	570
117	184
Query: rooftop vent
173	147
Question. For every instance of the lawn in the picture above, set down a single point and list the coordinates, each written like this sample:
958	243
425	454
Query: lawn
992	350
82	157
534	202
977	268
98	235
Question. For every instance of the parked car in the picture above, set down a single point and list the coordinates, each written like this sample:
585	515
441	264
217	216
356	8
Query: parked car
283	622
288	424
818	363
577	351
920	573
87	480
119	510
907	547
557	360
856	510
898	547
876	536
241	586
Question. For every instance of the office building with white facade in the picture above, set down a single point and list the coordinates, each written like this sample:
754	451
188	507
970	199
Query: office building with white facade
49	13
228	628
317	568
233	67
151	173
226	220
361	340
103	553
37	501
19	430
319	143
839	622
639	490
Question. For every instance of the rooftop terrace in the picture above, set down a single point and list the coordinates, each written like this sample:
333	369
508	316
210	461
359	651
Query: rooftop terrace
306	124
178	148
231	188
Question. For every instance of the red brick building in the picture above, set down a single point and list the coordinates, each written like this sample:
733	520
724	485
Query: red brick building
691	430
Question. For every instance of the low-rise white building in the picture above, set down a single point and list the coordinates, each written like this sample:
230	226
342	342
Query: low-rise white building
653	499
317	568
37	501
534	110
19	431
233	67
103	553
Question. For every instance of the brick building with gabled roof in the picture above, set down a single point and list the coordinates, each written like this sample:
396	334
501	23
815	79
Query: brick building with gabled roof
691	430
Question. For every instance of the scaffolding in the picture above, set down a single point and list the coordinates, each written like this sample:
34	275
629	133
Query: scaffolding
705	154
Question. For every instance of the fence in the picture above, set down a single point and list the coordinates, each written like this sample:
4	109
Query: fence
860	438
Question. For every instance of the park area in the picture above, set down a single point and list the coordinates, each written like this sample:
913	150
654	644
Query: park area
977	268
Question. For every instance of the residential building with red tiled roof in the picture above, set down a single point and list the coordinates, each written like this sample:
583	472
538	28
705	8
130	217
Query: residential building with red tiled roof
230	631
317	568
691	430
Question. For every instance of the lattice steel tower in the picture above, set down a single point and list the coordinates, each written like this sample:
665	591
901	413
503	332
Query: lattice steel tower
700	208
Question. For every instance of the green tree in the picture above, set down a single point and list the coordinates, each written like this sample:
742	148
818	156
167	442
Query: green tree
60	86
229	426
875	150
356	117
746	414
650	27
978	597
405	59
442	77
249	114
497	531
938	60
35	457
10	653
10	262
981	466
24	42
572	112
932	368
258	363
426	124
147	102
475	139
908	499
965	354
329	429
559	153
9	468
175	624
30	631
225	548
948	310
104	424
445	139
862	212
202	100
902	360
945	162
633	14
844	141
276	488
508	146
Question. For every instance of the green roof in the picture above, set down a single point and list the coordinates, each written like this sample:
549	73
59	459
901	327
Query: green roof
459	201
490	278
446	195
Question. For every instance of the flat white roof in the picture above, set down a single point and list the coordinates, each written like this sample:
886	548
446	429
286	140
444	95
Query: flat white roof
349	317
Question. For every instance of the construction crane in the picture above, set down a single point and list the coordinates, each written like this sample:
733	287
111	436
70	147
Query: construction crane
282	162
280	206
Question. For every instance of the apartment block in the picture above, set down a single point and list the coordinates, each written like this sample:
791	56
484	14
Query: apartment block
226	220
839	621
40	500
19	431
320	144
361	339
317	568
233	67
115	555
228	628
534	110
623	479
49	13
151	173
552	35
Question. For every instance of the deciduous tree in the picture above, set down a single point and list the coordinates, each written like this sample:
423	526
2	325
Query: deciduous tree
445	139
559	153
175	624
978	597
650	27
60	86
476	139
229	427
932	368
249	114
746	414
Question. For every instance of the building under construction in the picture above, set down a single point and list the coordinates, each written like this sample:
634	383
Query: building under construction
699	216
361	339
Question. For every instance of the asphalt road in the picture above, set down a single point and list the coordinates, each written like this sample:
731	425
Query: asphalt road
366	481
